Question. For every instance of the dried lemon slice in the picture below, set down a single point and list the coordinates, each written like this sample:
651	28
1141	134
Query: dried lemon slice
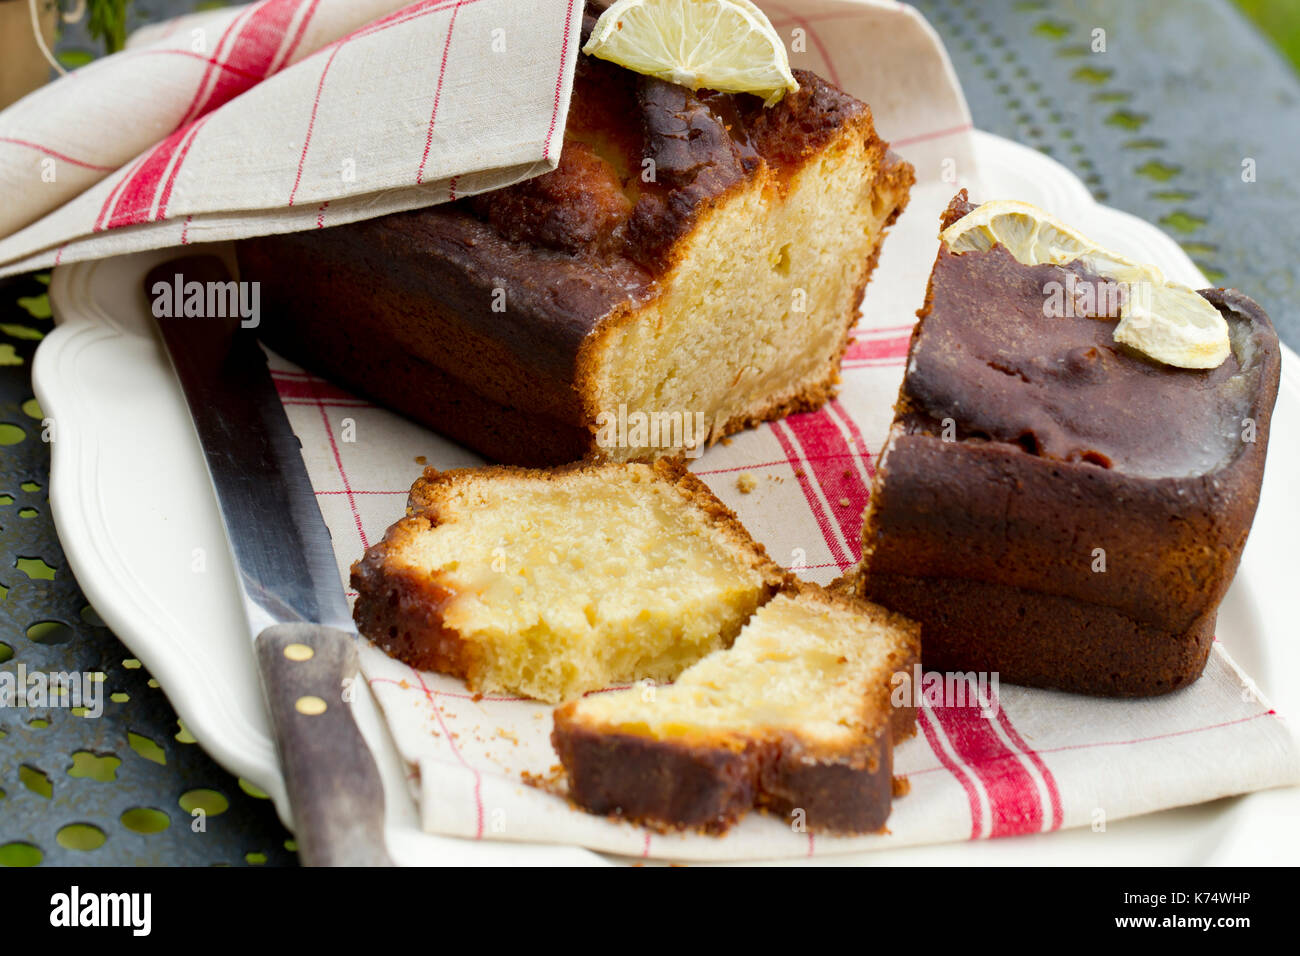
726	45
1165	320
1174	325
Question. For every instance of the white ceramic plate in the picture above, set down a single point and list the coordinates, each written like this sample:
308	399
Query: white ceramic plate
132	504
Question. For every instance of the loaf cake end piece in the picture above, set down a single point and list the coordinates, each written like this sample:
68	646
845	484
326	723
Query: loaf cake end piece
1052	505
551	583
795	718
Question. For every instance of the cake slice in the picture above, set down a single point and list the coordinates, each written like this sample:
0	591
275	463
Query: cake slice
692	267
1051	504
795	718
552	583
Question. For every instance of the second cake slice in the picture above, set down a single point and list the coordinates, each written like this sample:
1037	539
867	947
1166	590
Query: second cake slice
552	583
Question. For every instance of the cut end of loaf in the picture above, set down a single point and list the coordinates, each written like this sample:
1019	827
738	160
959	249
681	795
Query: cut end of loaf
752	319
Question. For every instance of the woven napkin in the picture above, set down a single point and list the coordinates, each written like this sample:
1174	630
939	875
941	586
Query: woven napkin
283	115
1010	760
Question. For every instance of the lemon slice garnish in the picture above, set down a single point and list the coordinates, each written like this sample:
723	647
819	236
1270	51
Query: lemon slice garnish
1174	325
726	45
1164	320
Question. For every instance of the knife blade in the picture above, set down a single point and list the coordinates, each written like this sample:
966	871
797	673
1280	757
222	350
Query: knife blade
292	596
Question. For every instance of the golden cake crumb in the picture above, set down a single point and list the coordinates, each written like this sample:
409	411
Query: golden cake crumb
552	781
806	675
746	482
666	518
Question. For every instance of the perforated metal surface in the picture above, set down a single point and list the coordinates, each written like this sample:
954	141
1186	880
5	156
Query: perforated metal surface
122	787
1159	124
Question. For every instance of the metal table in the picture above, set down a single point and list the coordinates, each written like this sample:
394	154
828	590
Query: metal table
1176	111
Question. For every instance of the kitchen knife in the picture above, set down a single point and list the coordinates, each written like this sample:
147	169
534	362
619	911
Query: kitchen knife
293	600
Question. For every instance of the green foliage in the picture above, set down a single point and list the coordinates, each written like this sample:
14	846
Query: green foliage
1280	20
106	22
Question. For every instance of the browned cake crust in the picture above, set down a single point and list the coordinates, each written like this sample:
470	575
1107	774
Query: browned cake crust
400	608
991	540
709	782
669	785
1045	640
401	308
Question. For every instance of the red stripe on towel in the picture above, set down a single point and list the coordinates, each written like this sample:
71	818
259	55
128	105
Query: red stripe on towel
62	157
437	94
253	53
893	347
215	61
166	194
135	199
803	471
1014	803
933	736
430	695
1049	780
559	80
840	486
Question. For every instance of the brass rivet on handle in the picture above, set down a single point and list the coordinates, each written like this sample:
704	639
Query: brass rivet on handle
309	705
298	652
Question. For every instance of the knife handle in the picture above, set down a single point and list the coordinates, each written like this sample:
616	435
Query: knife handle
332	779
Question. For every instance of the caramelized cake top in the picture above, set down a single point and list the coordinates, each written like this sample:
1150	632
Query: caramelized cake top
643	157
1024	355
591	237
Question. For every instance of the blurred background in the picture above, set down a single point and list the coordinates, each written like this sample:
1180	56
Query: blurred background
84	29
1279	20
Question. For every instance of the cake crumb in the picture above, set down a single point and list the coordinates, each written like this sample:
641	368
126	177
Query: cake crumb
553	781
844	502
902	786
421	460
724	440
745	482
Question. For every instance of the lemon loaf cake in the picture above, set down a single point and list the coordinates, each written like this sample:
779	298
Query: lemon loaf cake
552	583
1053	504
692	267
795	718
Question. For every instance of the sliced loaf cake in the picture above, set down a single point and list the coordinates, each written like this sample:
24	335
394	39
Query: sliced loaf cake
795	718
